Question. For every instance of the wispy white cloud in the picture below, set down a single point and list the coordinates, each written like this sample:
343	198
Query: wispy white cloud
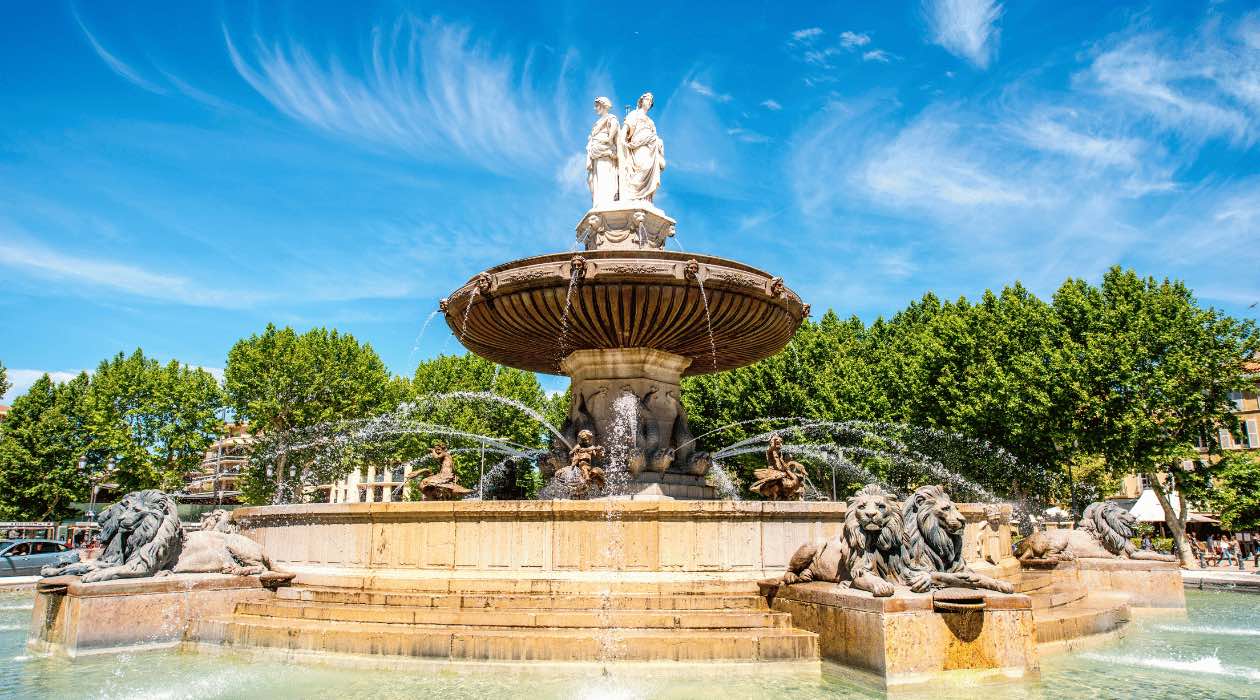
806	35
429	88
41	261
704	89
772	105
747	135
1206	87
965	28
934	162
879	55
115	64
852	40
22	379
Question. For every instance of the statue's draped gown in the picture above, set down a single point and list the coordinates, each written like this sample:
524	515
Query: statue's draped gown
601	160
642	158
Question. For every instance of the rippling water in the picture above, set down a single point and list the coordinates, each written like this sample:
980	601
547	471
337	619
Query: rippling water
1215	653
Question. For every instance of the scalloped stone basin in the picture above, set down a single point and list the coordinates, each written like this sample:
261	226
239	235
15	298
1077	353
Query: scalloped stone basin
515	314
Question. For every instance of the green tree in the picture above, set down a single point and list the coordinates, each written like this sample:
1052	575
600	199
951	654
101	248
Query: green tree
154	420
825	374
1236	492
41	443
447	374
1151	374
282	383
4	380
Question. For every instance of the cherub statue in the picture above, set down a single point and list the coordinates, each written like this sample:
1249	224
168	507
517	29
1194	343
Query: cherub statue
582	475
781	480
444	485
582	457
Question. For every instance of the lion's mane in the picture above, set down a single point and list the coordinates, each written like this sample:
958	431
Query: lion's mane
927	541
1112	525
879	554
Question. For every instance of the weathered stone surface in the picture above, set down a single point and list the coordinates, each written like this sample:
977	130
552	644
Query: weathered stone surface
128	613
902	641
750	540
515	313
1149	584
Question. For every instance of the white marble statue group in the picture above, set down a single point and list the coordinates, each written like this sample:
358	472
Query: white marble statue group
624	162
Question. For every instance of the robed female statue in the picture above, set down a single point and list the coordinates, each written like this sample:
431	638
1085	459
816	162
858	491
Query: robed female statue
641	155
601	154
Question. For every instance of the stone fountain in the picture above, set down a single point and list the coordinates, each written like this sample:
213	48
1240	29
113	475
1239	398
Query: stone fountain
625	319
907	591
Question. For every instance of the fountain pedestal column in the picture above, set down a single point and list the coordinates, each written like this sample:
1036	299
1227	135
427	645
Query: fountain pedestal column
630	399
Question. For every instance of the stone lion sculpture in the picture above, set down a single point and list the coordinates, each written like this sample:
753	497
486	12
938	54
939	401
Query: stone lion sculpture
867	555
933	528
217	548
219	520
1103	533
142	537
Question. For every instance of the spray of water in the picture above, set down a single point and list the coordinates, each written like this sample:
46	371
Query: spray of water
415	346
472	299
564	317
708	321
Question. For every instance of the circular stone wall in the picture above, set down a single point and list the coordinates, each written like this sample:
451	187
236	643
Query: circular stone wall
739	540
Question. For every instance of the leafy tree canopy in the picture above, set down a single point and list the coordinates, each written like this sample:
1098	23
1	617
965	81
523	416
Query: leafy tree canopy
294	389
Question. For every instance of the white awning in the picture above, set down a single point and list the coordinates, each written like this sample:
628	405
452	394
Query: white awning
1148	510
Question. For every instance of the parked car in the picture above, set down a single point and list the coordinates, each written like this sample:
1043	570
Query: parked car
27	557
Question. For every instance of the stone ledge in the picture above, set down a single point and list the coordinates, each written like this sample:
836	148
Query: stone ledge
1126	565
175	583
904	600
902	641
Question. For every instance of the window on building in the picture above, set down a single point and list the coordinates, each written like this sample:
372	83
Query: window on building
1226	441
1237	398
1253	433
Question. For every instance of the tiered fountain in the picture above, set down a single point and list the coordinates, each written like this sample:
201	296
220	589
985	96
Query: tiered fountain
625	320
655	569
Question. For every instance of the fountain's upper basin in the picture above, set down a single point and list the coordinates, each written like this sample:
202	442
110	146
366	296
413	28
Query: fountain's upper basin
624	299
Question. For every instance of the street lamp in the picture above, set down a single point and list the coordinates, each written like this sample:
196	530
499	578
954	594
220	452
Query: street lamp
96	486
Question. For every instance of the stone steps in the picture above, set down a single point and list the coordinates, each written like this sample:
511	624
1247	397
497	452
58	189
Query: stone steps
461	642
1097	613
512	601
523	582
1057	595
519	617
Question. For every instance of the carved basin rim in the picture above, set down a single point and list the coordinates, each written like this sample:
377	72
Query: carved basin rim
515	313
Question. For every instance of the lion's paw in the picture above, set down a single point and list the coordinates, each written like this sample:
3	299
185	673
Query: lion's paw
921	582
881	588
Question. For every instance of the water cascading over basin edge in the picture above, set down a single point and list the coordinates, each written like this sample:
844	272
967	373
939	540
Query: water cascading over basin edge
625	320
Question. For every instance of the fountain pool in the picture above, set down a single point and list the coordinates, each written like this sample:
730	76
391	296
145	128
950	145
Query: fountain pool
1211	654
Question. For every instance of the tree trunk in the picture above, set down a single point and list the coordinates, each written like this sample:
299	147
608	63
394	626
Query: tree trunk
1176	521
280	466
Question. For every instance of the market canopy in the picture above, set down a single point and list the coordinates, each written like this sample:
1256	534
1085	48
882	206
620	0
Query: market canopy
1148	510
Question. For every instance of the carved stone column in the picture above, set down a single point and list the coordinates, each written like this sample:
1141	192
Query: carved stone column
630	399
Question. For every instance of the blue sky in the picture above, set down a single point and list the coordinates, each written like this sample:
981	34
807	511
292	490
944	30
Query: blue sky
176	177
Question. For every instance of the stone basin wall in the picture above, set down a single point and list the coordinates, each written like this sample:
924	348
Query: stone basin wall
740	539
